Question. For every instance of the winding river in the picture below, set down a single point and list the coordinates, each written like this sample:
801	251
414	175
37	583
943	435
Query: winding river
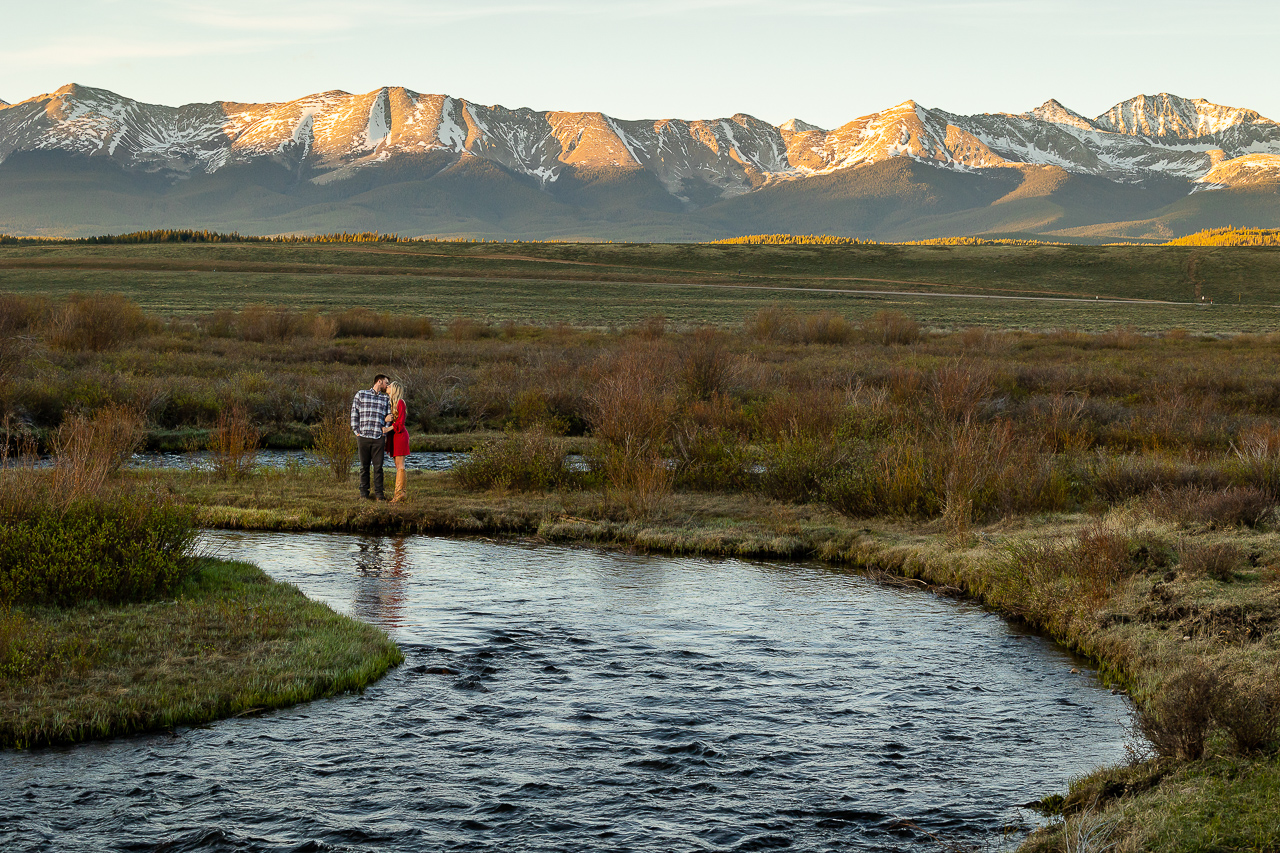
563	699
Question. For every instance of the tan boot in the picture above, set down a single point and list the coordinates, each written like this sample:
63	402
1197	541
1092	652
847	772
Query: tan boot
400	479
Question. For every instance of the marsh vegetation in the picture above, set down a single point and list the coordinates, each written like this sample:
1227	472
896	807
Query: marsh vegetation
1116	488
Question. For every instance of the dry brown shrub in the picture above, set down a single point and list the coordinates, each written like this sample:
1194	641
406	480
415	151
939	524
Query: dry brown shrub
1101	558
1259	442
270	324
1115	478
1176	721
96	321
905	384
1246	506
1058	421
1247	707
770	323
718	414
960	389
22	314
1218	560
233	442
631	417
333	441
361	322
651	328
791	414
891	327
465	329
88	450
18	445
823	327
706	365
324	328
975	338
1121	337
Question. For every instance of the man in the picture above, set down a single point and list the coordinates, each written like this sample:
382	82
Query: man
368	421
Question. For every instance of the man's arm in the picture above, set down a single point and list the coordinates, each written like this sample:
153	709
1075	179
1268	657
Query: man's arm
355	414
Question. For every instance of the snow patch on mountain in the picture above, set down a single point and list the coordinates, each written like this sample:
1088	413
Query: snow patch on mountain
336	133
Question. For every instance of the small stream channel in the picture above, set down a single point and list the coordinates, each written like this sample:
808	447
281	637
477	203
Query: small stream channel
561	699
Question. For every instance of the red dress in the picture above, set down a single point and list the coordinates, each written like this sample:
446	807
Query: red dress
398	439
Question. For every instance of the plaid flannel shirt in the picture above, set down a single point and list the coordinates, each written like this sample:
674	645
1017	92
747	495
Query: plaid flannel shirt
368	411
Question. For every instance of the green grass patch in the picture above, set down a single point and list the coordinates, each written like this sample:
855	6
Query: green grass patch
231	641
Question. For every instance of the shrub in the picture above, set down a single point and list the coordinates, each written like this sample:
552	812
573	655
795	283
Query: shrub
97	321
21	314
1249	711
900	478
271	324
1219	560
88	450
782	325
891	327
651	328
116	548
233	442
333	441
706	366
534	460
710	459
797	467
1246	506
1176	720
639	479
363	323
959	389
1116	478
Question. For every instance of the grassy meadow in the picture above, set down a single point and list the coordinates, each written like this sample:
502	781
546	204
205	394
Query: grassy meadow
1106	472
605	284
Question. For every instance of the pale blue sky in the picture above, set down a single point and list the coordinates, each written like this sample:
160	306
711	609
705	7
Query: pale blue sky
822	61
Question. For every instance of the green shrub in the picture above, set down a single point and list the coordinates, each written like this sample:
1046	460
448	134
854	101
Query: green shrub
111	549
710	460
524	461
796	467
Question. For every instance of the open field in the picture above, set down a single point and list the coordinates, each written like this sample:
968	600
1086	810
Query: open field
601	285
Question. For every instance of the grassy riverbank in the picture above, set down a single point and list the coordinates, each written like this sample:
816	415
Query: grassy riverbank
230	641
111	622
1158	593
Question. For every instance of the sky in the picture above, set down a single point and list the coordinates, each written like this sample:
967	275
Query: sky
824	62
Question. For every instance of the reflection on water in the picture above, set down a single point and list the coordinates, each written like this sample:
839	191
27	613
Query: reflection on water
381	570
575	701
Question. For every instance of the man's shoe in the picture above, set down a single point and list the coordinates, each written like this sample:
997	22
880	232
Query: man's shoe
382	497
366	497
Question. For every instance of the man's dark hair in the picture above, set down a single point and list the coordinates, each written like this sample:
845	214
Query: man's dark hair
381	376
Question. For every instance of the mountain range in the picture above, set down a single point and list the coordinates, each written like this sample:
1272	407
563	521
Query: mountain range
88	161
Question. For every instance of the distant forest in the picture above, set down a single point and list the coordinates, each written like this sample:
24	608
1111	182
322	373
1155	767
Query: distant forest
1210	237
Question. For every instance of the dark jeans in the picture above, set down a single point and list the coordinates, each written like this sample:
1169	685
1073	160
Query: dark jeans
370	450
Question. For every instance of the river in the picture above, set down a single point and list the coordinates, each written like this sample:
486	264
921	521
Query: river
567	699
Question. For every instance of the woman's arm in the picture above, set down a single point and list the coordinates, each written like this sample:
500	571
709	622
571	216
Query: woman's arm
401	411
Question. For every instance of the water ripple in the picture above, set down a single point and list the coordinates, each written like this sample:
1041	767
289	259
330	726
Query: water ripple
555	699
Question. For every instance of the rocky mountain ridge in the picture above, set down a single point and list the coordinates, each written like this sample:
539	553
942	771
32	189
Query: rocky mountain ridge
330	136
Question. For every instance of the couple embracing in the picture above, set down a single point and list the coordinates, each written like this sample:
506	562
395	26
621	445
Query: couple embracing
377	419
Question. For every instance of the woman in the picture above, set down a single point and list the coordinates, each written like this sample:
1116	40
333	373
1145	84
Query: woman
397	436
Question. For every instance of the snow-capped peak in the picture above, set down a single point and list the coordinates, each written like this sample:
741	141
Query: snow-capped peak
1054	112
795	125
327	136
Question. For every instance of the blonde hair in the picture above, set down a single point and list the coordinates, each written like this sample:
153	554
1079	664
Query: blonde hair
396	392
